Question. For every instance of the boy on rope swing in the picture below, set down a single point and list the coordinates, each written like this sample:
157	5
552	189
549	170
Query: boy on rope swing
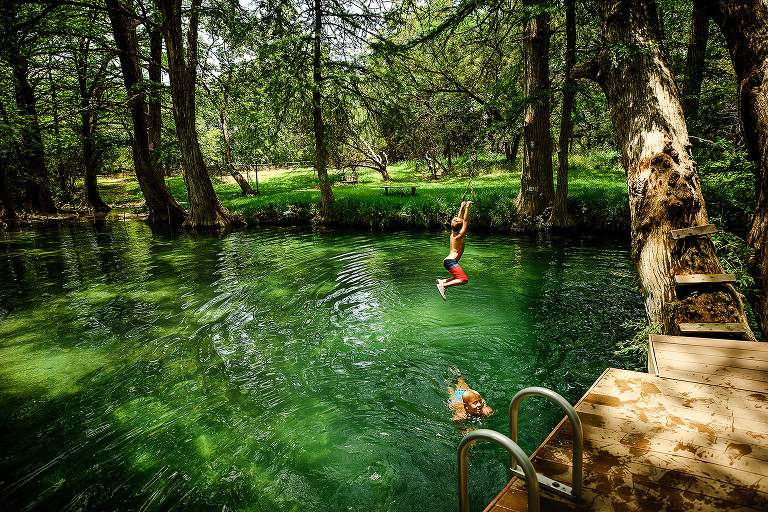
451	262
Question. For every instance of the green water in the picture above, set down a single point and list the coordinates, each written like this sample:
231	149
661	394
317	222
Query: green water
283	369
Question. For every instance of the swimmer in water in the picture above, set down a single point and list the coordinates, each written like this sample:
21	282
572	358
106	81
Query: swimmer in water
465	402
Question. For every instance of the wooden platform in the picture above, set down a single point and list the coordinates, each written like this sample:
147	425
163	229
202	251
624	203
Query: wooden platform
661	444
732	363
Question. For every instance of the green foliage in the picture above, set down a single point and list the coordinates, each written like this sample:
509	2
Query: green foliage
736	257
727	182
636	349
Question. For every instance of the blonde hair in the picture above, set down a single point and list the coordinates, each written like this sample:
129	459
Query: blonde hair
470	394
456	223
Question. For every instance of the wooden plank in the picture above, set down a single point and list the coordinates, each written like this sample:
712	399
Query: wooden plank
692	340
712	327
748	406
744	383
706	229
725	357
734	360
693	279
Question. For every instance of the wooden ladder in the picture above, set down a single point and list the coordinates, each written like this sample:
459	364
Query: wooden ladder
692	329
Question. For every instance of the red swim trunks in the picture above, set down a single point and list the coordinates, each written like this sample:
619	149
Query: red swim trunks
453	267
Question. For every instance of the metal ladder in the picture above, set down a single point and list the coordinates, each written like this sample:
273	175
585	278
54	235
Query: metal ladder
523	467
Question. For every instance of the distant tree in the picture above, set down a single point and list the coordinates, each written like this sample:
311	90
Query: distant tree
695	62
537	188
91	68
559	216
19	34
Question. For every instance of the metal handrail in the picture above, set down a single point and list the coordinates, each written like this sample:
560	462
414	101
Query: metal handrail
515	452
578	441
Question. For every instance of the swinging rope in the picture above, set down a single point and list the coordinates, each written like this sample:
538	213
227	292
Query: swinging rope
469	184
469	188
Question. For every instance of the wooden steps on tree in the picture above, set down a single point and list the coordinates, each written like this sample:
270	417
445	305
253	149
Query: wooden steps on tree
706	229
704	328
704	279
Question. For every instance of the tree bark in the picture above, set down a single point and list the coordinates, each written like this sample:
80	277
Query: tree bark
321	146
745	27
31	151
245	187
154	104
663	186
89	98
206	210
560	217
537	187
7	212
694	63
163	208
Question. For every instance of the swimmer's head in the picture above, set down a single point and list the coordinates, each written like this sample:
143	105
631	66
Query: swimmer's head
456	224
473	403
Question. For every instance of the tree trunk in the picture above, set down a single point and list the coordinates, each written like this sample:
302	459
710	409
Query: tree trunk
89	96
537	187
206	211
321	147
7	212
512	152
245	187
694	63
745	27
663	186
560	217
163	208
61	174
31	151
154	113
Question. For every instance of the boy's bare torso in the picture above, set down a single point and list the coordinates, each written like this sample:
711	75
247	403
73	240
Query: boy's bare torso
457	246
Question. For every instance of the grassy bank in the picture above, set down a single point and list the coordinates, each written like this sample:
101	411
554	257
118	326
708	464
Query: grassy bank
597	197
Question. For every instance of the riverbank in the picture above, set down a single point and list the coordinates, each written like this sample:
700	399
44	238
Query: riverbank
597	197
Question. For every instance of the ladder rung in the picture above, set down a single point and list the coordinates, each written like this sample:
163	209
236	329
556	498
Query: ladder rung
706	229
712	327
705	278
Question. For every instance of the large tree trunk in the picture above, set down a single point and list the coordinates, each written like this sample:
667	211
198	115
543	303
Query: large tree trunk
163	208
537	187
694	63
321	146
744	24
206	210
663	186
89	97
154	113
31	151
560	217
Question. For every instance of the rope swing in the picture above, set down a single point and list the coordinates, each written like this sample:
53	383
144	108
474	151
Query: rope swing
470	188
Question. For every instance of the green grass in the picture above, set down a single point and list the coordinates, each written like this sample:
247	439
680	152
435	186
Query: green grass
597	195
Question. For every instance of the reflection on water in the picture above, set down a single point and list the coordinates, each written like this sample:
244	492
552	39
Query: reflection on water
283	370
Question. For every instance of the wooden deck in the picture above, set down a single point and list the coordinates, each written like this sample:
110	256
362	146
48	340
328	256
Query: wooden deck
693	438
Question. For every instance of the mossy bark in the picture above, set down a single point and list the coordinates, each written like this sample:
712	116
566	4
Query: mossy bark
662	181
